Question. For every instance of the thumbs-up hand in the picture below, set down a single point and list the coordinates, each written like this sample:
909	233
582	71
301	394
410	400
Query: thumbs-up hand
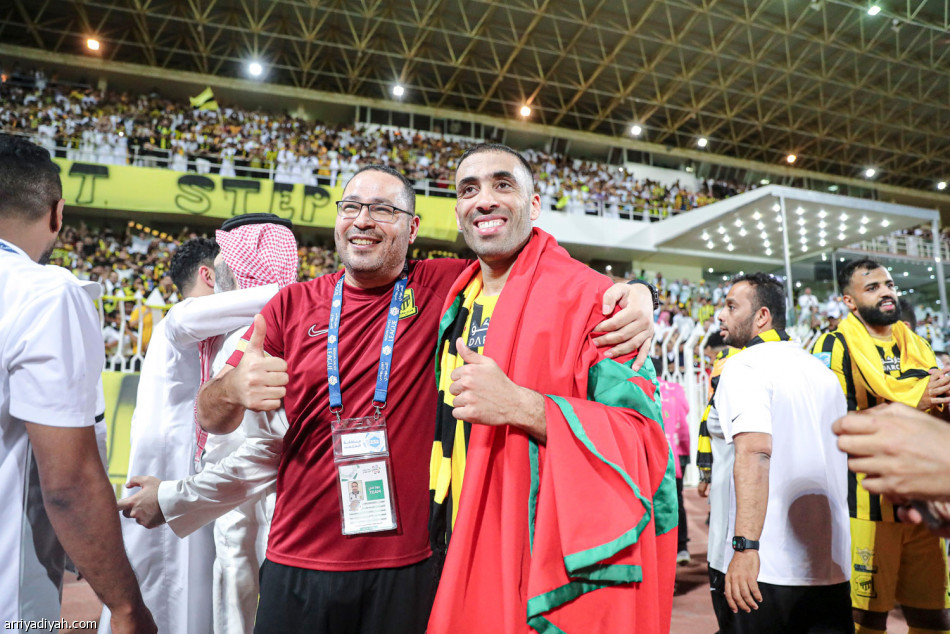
260	379
484	395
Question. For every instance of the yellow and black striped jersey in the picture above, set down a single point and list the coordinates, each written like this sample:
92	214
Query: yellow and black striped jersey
832	349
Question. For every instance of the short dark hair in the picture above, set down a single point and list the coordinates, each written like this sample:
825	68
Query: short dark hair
407	189
846	272
189	257
29	179
769	293
907	313
498	147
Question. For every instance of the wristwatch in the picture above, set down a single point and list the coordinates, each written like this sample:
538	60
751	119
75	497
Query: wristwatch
740	544
653	293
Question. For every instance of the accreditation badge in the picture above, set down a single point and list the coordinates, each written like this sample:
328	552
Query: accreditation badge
364	475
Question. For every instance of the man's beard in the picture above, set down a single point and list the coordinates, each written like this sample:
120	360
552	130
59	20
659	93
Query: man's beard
45	256
874	316
739	336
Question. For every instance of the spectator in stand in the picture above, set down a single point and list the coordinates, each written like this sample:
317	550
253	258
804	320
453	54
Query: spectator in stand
807	308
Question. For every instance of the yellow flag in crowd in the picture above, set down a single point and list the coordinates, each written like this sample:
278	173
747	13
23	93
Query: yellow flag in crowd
204	100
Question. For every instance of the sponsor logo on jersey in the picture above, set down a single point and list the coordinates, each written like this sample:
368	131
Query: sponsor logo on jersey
824	357
864	586
892	364
478	329
408	308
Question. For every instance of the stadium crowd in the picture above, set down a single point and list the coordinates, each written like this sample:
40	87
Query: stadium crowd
84	124
131	262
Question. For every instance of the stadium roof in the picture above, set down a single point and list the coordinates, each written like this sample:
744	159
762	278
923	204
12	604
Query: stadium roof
822	79
750	223
748	231
750	226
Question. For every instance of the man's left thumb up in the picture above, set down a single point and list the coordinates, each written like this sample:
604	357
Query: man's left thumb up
468	355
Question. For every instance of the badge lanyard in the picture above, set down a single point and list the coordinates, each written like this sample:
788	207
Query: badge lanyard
361	445
385	355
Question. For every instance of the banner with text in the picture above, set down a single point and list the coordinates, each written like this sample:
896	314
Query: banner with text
156	190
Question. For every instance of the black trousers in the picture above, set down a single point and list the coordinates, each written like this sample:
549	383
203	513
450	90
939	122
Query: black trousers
391	600
786	609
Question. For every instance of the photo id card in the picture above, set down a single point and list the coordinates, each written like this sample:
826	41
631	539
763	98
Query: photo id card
366	498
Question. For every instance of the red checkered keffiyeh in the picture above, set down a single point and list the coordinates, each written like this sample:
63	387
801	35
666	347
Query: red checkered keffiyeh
260	254
257	254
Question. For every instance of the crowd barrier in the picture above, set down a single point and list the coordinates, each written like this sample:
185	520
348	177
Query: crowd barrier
694	377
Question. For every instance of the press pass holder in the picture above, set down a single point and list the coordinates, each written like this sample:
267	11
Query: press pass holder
364	474
361	445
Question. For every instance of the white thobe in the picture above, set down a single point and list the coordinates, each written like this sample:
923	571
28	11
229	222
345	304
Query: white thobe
176	574
240	532
236	488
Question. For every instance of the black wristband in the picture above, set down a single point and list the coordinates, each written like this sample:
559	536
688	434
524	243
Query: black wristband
653	293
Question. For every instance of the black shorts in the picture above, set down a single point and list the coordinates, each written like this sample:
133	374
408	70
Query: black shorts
786	609
391	600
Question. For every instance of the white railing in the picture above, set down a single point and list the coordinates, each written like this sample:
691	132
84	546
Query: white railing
694	378
130	348
909	246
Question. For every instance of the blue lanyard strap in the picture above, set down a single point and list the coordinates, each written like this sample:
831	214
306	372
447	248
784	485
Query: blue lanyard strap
385	355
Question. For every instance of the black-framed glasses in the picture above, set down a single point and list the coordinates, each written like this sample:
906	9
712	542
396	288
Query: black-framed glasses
380	212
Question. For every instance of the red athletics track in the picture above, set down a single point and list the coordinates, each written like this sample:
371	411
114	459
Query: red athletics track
692	609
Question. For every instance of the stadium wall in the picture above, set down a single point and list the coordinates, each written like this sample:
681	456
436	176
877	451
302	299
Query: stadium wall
150	190
119	389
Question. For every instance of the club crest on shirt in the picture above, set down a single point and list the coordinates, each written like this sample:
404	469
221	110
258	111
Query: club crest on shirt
408	308
866	556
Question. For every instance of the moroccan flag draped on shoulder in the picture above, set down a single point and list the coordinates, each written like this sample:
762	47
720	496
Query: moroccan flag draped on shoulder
578	534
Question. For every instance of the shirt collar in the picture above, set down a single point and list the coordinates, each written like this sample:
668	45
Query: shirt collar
9	247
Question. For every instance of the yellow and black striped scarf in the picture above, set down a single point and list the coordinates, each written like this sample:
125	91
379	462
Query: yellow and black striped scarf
916	359
447	464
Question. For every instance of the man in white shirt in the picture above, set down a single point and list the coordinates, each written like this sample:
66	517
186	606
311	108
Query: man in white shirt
50	362
808	307
778	480
175	574
836	311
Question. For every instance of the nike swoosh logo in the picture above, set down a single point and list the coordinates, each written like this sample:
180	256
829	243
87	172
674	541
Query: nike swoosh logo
313	332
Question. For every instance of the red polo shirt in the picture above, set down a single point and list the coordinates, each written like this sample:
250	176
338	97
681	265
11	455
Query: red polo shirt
306	530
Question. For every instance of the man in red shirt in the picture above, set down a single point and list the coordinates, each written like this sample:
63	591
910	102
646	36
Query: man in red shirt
329	567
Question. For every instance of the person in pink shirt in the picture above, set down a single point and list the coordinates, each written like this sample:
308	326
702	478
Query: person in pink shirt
675	410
